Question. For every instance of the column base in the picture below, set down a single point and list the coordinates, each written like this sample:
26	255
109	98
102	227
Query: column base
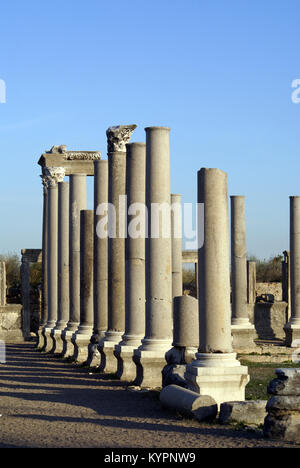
57	341
149	366
48	341
68	347
220	376
126	368
243	336
81	344
40	343
292	335
108	361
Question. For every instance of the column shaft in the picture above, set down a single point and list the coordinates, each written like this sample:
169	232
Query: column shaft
77	203
100	249
176	227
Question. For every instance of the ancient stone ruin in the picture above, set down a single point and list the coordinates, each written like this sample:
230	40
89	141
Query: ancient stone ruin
112	293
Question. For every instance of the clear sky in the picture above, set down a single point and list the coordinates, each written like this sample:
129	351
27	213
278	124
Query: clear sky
217	72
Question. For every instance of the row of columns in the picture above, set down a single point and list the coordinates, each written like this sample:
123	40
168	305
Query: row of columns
89	308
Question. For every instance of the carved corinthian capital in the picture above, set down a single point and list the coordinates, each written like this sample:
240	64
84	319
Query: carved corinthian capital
52	175
117	137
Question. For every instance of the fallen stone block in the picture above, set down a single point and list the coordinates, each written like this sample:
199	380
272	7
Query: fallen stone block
248	412
188	403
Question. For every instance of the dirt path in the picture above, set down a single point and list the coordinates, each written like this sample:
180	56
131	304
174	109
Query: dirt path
46	402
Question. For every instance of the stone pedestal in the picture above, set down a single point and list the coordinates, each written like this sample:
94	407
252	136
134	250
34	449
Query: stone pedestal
215	371
150	357
81	339
77	203
117	137
134	261
242	330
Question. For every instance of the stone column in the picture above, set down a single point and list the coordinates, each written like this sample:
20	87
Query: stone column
176	229
2	284
251	282
150	357
117	137
292	328
134	261
100	258
216	371
242	330
25	286
77	203
286	282
81	339
63	265
54	175
44	313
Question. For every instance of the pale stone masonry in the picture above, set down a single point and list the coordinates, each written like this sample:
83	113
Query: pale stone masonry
215	371
150	356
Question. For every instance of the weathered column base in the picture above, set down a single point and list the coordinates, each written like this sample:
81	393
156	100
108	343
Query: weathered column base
149	366
81	344
220	376
94	358
243	336
48	341
40	342
126	369
292	335
58	343
68	347
108	361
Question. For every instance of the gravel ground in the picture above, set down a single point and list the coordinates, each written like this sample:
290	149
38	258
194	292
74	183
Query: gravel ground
49	403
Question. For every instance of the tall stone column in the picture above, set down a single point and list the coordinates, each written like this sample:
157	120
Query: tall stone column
100	259
25	286
117	137
251	282
134	261
150	357
44	313
176	229
77	203
54	175
216	371
292	328
242	330
63	265
81	339
286	282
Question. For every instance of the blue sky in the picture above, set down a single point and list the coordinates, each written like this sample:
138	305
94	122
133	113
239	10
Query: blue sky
218	73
